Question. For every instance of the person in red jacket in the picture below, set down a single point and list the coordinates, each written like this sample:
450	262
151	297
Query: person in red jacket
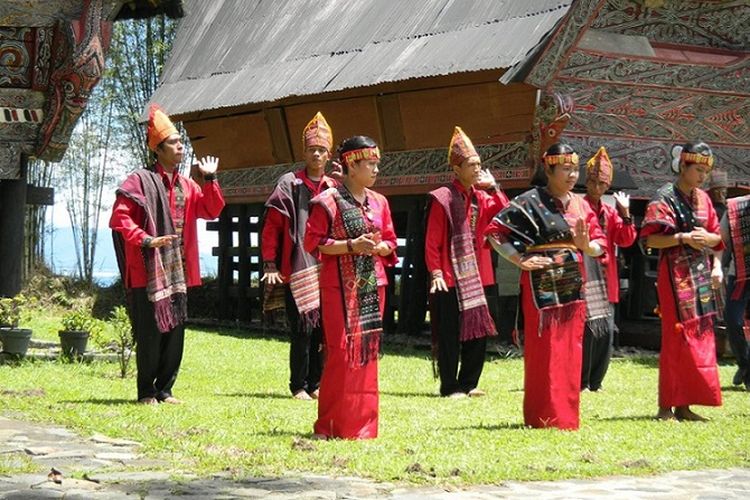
546	232
351	231
461	266
290	273
154	229
681	222
602	279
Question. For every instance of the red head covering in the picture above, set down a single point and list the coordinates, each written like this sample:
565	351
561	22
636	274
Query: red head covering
600	167
317	133
460	148
159	127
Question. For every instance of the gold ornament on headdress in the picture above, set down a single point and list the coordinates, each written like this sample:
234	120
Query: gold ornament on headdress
697	158
361	154
600	166
318	133
460	148
552	160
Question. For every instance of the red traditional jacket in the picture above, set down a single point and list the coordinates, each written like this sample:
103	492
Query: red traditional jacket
617	233
275	243
318	233
437	245
127	217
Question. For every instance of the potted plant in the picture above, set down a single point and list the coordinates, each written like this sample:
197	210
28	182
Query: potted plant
78	325
15	340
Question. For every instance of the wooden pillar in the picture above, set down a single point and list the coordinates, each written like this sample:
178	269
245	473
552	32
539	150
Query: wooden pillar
12	220
224	226
413	303
243	285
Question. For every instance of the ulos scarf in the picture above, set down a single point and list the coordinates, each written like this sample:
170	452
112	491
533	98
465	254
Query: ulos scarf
166	287
359	284
475	320
689	269
738	213
536	224
291	198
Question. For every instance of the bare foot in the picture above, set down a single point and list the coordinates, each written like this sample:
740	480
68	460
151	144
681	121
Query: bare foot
319	437
665	414
148	401
684	413
171	400
476	393
302	395
315	394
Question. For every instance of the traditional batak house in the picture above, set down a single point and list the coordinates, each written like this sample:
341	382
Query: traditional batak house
634	76
52	55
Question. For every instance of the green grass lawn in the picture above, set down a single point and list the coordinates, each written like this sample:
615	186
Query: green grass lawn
239	417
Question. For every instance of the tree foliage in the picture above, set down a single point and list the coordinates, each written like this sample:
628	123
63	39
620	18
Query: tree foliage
137	55
110	139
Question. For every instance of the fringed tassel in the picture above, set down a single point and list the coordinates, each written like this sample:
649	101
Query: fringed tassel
170	312
476	323
551	318
362	349
309	321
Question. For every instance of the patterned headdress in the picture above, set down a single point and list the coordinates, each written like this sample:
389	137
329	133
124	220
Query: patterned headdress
600	167
317	133
159	127
460	148
562	159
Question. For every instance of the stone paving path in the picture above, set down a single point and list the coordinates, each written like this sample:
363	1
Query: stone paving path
99	467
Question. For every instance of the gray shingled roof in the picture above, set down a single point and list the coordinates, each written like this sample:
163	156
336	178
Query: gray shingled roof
236	52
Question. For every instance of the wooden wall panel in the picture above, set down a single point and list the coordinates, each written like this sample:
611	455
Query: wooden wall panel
347	117
488	113
239	141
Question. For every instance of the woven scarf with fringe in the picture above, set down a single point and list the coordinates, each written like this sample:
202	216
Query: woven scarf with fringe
166	287
475	320
689	269
359	284
291	198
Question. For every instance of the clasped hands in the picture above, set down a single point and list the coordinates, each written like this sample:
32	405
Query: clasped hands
370	244
698	238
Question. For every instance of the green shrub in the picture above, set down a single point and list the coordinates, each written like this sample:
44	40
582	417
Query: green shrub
80	320
13	311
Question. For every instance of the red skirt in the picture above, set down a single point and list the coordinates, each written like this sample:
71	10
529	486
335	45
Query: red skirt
552	364
687	362
348	400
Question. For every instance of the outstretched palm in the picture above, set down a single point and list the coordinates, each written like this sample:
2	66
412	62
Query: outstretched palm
208	165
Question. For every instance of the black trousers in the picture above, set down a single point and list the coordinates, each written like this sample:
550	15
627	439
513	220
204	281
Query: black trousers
451	350
305	356
158	355
597	352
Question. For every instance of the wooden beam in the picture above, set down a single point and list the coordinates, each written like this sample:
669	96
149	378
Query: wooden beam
280	140
389	119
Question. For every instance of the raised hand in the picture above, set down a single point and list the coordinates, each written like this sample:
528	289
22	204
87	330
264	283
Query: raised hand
208	165
581	235
485	180
622	200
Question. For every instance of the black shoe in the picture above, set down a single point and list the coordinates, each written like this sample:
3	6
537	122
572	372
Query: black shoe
739	377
